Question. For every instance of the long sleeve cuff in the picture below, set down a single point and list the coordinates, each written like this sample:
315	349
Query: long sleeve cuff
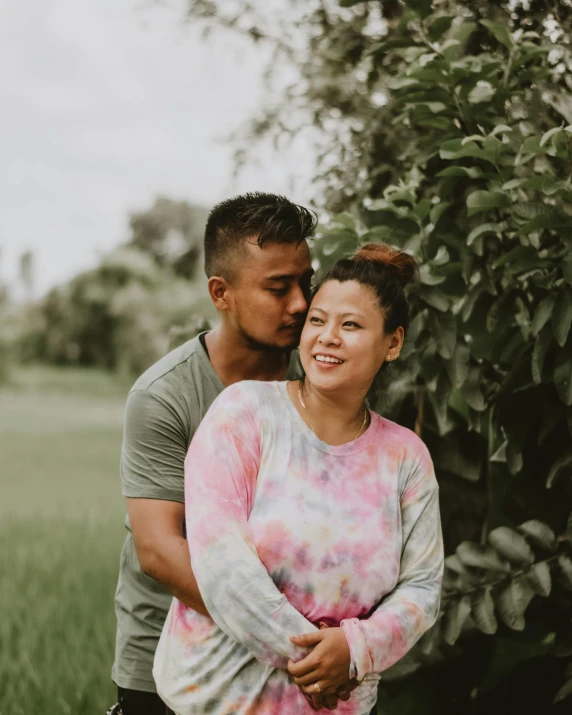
360	650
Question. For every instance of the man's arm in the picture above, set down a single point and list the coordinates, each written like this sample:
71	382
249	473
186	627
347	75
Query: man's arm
163	553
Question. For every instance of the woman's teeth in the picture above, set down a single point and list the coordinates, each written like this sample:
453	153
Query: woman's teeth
325	358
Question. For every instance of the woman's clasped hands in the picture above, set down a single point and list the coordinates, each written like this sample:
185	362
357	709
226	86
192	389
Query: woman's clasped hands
323	675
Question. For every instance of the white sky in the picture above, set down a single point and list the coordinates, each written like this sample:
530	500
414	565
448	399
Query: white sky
104	105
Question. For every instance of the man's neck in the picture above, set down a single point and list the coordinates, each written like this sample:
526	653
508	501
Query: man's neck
234	360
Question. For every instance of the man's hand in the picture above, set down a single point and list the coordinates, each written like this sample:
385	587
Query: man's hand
327	665
163	552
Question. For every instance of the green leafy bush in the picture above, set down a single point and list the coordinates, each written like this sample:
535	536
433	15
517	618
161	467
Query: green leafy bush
485	205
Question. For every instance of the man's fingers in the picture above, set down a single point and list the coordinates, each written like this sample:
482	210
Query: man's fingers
307	640
331	702
311	701
343	695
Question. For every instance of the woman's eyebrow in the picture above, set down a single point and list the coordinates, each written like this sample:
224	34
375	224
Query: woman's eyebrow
341	315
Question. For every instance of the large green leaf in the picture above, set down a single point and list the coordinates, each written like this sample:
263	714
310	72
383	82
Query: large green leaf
500	32
483	611
439	26
380	48
485	228
444	332
542	314
481	557
421	7
567	269
456	613
510	544
472	390
562	462
528	210
431	276
550	134
472	172
525	255
471	299
547	184
539	579
562	315
539	534
439	401
551	219
434	297
539	353
511	604
482	92
455	149
485	200
458	365
436	213
563	376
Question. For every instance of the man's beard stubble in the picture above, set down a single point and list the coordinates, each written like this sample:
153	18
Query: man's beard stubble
261	346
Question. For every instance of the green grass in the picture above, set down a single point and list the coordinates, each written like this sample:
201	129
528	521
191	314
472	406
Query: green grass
61	530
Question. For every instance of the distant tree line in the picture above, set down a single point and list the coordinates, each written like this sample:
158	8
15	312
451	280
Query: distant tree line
119	315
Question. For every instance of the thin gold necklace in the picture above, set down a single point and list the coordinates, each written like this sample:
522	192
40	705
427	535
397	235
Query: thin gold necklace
310	421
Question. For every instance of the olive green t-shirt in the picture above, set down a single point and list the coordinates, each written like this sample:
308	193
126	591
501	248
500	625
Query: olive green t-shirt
164	409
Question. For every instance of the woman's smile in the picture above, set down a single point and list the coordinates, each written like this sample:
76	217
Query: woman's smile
326	361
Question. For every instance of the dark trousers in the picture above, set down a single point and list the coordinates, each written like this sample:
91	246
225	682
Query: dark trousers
137	702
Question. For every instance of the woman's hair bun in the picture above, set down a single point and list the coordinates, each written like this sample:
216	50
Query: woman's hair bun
401	264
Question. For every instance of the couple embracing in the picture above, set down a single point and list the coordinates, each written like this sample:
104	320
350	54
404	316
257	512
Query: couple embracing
297	530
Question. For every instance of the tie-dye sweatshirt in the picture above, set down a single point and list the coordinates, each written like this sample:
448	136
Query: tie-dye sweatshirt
286	531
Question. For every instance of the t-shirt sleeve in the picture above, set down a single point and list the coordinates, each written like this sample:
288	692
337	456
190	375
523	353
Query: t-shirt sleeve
154	449
221	471
379	641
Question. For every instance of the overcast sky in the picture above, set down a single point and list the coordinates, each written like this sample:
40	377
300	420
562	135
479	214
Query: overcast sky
106	104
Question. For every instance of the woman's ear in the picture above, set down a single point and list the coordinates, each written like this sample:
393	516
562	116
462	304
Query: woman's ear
219	289
396	343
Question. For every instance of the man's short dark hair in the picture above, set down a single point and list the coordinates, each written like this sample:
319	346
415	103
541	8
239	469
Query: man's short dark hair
256	216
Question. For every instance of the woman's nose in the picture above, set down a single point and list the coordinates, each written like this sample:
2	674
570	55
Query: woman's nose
329	336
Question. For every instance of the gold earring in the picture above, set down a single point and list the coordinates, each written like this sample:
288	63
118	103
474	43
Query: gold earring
388	357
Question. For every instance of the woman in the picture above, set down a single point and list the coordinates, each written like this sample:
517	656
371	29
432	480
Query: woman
305	508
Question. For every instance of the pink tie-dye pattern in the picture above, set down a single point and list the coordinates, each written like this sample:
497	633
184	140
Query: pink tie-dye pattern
285	531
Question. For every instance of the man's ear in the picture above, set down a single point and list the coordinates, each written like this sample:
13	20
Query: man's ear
219	292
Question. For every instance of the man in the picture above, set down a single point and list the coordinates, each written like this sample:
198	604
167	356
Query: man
259	270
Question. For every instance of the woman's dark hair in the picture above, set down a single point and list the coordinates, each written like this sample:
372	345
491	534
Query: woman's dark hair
264	217
387	272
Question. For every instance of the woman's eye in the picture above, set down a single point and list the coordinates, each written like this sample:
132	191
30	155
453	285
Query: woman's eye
316	321
351	324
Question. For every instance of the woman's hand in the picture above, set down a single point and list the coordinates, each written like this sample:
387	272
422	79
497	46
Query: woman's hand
328	664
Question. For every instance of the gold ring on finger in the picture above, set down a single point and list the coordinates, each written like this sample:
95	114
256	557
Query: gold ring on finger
317	687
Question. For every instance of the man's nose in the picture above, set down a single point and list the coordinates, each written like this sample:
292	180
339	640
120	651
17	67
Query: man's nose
298	303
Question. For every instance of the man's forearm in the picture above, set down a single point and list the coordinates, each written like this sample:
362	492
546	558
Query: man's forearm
171	567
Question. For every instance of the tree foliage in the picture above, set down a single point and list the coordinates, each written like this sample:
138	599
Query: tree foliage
172	232
341	61
445	129
120	315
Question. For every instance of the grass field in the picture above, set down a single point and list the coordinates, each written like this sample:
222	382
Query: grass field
61	530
